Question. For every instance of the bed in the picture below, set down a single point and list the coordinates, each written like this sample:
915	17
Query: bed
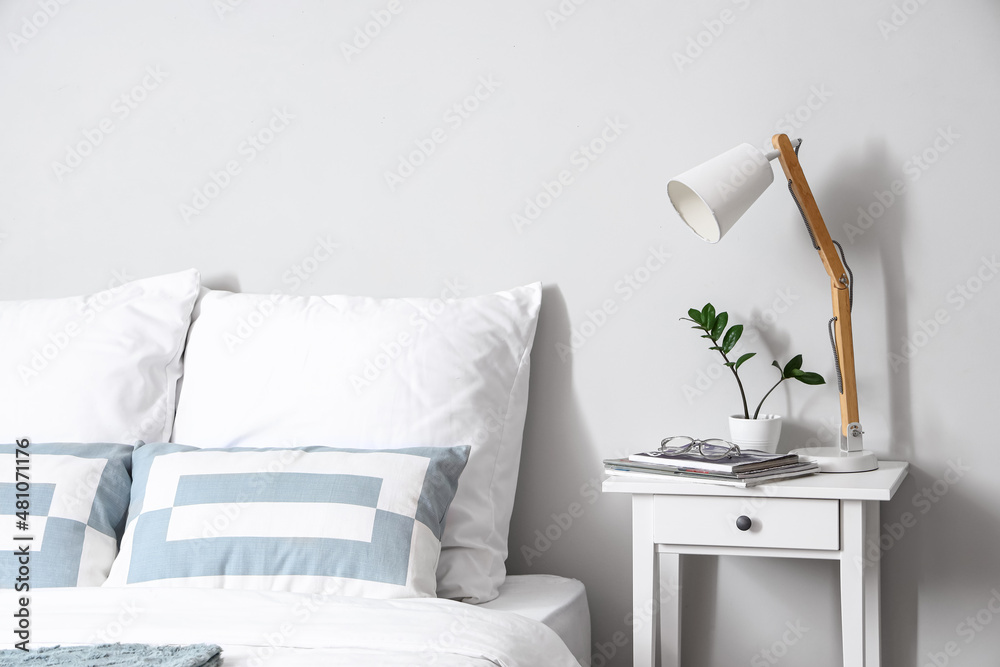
299	480
536	620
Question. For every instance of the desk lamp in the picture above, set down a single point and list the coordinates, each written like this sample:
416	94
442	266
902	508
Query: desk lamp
711	197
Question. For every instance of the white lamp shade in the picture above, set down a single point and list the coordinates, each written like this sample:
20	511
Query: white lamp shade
712	196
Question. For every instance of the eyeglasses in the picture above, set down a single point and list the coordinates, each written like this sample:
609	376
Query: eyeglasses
712	449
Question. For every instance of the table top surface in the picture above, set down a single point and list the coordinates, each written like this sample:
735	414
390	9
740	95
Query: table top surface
878	484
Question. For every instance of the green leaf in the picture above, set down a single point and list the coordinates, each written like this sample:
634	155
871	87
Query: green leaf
739	362
729	364
708	316
715	347
695	315
795	363
732	336
795	372
778	366
721	320
810	378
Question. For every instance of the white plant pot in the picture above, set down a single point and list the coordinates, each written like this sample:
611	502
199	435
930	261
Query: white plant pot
761	433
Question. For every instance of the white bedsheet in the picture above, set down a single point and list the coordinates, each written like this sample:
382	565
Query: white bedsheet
558	602
289	629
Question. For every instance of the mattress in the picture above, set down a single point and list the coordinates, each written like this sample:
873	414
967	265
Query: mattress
558	602
280	629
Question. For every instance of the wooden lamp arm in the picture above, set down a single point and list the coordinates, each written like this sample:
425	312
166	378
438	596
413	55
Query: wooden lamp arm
840	288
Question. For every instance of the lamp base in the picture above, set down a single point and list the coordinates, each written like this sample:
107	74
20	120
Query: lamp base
834	459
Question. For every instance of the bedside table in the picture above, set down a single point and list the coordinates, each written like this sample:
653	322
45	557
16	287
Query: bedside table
832	516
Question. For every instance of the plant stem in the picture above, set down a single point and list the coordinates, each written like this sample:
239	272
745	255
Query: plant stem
766	395
743	395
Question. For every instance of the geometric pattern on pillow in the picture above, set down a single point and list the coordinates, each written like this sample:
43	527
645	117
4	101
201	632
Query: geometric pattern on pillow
78	499
355	522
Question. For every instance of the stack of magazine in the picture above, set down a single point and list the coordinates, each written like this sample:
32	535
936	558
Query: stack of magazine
745	468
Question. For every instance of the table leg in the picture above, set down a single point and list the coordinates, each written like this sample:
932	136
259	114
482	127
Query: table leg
644	583
669	587
853	575
872	585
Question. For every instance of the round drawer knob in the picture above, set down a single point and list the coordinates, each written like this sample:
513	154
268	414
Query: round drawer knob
744	523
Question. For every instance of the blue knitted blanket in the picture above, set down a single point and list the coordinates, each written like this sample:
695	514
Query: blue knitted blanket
115	655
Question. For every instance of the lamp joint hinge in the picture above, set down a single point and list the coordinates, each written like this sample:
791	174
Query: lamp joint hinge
853	441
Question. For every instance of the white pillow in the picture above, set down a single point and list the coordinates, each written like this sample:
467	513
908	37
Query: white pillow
306	520
367	373
96	368
78	497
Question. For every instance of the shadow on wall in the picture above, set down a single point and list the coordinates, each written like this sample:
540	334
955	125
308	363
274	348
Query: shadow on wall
868	209
559	502
228	282
863	205
867	213
554	440
932	512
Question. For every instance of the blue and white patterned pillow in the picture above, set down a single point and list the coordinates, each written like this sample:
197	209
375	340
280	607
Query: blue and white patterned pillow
78	496
351	522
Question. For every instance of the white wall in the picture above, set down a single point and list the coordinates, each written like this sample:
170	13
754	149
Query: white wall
885	97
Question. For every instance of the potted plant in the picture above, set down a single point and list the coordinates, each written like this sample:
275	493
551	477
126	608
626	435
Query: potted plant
757	431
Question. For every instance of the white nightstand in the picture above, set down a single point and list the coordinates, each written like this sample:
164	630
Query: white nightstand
828	516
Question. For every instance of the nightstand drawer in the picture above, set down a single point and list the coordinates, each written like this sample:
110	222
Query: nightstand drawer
791	523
